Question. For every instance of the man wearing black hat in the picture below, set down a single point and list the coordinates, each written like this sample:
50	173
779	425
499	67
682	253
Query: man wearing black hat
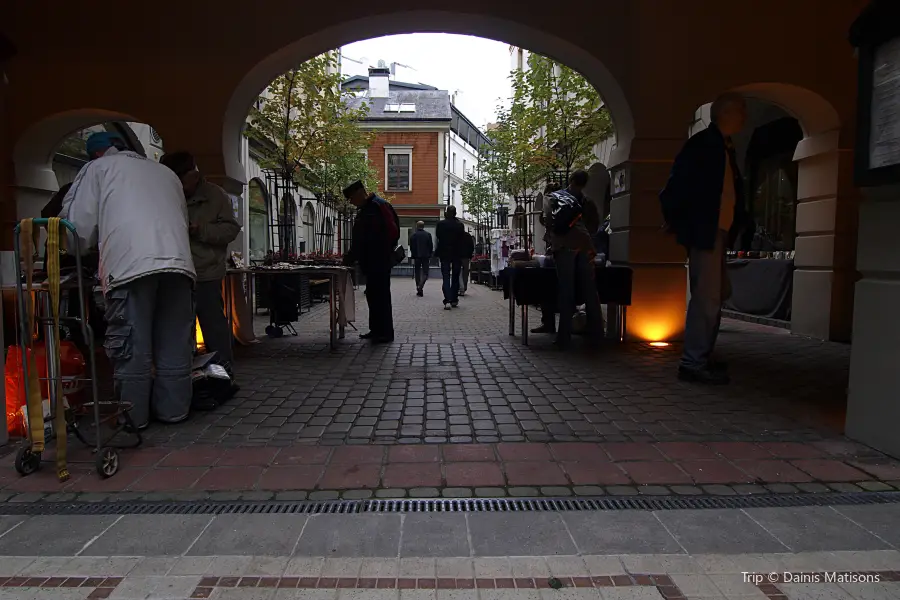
376	231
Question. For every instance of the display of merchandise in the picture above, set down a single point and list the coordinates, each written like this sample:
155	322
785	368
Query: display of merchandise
502	241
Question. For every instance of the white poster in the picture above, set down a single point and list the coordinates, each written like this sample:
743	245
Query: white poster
884	136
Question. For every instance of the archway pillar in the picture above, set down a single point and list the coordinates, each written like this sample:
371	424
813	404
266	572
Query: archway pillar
872	407
659	288
825	246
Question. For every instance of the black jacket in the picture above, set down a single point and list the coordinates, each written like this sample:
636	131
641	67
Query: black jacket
421	244
692	197
468	246
372	246
450	233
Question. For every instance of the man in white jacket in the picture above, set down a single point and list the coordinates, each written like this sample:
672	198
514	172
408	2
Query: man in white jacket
134	210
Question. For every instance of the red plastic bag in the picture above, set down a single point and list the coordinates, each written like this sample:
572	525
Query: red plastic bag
73	374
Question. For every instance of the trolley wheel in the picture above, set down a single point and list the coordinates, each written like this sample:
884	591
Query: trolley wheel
27	462
107	462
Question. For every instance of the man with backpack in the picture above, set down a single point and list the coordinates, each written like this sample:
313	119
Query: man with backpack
571	221
376	232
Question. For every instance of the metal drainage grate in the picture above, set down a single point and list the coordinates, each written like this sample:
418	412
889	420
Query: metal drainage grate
449	505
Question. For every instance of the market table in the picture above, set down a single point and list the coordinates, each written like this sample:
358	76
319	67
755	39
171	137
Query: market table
762	287
536	286
341	299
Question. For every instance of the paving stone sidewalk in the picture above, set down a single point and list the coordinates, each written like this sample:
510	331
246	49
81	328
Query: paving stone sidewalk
820	552
456	407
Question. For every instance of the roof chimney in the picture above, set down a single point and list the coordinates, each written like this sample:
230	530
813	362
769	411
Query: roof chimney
379	82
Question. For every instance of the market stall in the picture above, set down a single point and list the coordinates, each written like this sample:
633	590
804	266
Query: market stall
531	284
282	298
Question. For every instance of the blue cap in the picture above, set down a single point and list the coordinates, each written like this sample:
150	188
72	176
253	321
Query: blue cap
100	141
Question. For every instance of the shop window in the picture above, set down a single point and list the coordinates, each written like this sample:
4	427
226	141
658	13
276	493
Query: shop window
258	207
398	166
772	185
775	204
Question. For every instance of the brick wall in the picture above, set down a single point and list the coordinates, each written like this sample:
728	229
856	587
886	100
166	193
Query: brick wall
424	169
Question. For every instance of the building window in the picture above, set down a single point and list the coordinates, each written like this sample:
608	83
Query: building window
398	166
453	164
520	59
464	168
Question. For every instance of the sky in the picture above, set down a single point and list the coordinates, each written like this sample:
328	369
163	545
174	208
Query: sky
476	68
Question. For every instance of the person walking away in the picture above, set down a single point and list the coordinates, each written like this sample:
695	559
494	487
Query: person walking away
703	205
212	227
468	251
376	231
421	246
450	232
573	220
134	210
548	308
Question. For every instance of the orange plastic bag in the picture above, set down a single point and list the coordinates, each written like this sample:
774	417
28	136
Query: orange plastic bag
73	374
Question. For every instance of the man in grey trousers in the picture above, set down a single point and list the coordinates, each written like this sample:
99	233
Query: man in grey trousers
703	206
133	208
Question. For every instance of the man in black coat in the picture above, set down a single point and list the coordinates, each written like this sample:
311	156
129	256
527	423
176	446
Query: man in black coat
703	206
450	233
375	234
421	247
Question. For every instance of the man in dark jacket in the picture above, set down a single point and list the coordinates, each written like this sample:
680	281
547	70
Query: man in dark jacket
703	206
421	247
375	234
468	251
450	233
212	228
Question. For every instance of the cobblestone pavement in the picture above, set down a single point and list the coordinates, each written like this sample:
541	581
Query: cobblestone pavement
456	407
456	376
620	555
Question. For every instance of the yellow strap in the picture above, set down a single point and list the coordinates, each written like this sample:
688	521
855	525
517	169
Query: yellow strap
34	400
52	265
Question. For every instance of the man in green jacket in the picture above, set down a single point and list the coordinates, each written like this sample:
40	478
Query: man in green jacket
212	228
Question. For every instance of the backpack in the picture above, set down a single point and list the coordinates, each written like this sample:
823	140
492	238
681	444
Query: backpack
566	210
392	232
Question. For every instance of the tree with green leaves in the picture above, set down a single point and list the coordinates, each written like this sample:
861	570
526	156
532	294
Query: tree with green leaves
568	111
307	129
478	196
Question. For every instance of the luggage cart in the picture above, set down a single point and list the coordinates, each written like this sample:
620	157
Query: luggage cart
114	412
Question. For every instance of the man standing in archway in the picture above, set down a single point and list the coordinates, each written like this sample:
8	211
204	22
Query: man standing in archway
376	231
703	206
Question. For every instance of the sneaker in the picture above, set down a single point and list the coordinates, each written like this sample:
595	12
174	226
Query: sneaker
446	306
419	293
365	336
454	304
544	329
705	375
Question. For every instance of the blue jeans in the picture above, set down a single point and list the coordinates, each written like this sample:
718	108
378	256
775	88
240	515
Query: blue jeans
706	269
450	271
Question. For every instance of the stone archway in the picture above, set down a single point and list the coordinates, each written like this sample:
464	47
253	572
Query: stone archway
33	153
826	213
424	21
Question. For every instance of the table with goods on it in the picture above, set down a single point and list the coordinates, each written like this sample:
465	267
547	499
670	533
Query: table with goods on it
287	287
531	281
